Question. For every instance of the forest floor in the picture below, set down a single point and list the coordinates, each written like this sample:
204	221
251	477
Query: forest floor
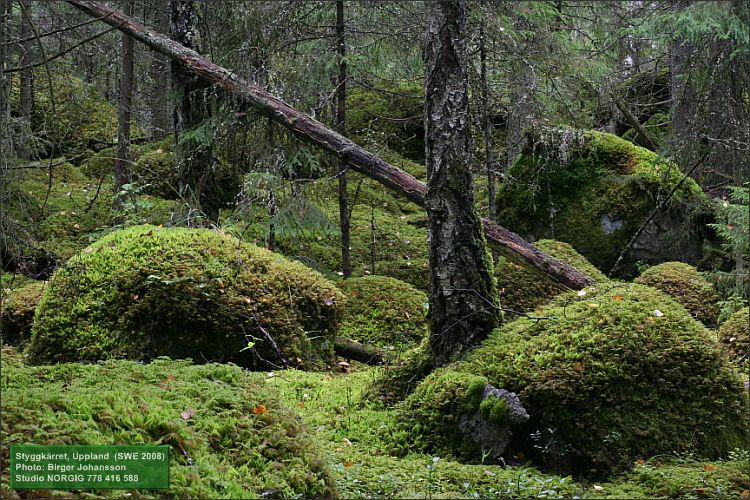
353	432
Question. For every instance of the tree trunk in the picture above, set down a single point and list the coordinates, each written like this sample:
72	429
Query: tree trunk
26	96
310	130
194	153
161	116
463	307
487	124
346	260
124	114
4	97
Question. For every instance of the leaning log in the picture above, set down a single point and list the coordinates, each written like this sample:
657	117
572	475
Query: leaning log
312	131
351	350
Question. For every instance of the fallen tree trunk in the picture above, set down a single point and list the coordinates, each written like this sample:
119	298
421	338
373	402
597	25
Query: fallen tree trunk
352	350
310	130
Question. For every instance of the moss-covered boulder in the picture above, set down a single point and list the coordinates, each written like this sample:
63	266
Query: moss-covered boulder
230	434
594	190
733	335
687	286
17	313
149	291
522	291
611	376
384	312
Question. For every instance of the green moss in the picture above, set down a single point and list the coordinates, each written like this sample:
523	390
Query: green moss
432	412
495	410
147	291
157	168
383	311
391	116
17	314
687	286
594	190
238	439
522	291
615	375
733	334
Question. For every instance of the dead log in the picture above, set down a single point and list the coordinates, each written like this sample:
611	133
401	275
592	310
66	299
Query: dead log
312	131
352	350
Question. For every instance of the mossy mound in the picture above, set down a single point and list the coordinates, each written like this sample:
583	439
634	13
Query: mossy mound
615	375
402	375
230	435
17	314
384	312
147	291
658	127
594	190
687	286
733	334
522	291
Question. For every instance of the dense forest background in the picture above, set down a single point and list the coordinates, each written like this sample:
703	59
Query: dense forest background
612	135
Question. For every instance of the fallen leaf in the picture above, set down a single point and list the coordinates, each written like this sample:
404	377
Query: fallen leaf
658	313
347	442
598	488
709	468
520	455
617	297
593	305
347	464
579	366
581	293
260	409
300	405
187	414
76	226
640	461
489	473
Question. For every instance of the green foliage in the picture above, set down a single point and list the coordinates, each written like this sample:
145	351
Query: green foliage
156	167
383	311
17	314
230	435
733	334
73	117
610	376
63	211
522	291
687	286
733	230
658	127
593	190
147	291
388	234
391	117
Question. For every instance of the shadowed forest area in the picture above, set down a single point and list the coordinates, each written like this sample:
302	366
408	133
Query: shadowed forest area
338	249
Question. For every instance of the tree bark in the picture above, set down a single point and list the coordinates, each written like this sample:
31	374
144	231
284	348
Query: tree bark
4	97
161	116
308	129
194	154
124	113
463	309
487	124
346	259
26	96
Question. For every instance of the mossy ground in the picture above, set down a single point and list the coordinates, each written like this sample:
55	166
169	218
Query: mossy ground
356	435
733	335
230	435
17	313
